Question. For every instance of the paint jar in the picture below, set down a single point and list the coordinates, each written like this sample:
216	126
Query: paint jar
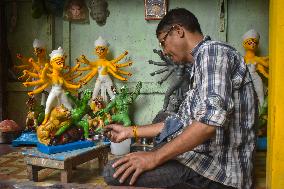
120	148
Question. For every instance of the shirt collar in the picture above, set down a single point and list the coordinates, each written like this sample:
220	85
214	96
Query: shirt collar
195	49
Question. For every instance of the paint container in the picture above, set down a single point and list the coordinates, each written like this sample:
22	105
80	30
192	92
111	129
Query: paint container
120	148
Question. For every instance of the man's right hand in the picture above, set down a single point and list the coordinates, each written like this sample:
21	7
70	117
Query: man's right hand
117	133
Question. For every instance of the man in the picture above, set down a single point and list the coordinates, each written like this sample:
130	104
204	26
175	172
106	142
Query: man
210	142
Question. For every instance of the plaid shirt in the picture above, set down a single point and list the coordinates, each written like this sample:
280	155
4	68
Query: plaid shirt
221	95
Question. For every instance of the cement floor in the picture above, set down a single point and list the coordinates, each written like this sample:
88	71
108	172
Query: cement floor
13	173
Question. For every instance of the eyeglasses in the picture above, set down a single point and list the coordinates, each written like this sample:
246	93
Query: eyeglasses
162	42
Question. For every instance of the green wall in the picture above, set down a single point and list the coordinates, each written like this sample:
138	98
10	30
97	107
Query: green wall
126	29
20	40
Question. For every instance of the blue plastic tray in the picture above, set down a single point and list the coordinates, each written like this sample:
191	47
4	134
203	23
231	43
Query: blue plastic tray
26	138
64	147
61	156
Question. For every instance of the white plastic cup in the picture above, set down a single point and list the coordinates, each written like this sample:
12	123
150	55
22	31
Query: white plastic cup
120	148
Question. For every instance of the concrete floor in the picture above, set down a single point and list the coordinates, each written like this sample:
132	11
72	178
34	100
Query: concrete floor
52	181
6	149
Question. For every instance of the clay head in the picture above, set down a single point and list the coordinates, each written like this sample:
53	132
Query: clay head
99	11
251	40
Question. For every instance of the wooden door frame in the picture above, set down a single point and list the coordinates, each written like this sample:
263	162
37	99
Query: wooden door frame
275	150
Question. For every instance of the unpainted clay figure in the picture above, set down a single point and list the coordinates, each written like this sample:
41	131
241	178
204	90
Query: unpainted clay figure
99	11
180	82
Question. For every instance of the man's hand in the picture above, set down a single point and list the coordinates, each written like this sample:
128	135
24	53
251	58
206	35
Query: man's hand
135	163
117	133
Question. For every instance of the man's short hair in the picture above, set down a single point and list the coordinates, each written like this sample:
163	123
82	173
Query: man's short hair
179	16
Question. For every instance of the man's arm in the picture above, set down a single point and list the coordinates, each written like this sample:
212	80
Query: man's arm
118	133
192	136
138	162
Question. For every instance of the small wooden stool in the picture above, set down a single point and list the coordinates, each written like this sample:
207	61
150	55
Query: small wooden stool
64	161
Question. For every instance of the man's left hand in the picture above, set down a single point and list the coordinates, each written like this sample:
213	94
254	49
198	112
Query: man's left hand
135	163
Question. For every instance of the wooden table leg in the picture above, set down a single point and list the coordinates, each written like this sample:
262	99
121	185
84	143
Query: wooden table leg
66	175
103	158
33	172
34	164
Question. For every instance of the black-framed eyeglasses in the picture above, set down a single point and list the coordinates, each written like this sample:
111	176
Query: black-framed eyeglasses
162	42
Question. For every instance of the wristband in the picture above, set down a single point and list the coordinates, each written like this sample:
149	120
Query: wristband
135	135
